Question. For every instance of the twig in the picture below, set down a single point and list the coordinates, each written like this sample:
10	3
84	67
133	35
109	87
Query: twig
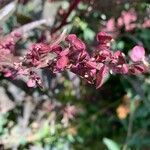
30	26
129	131
73	5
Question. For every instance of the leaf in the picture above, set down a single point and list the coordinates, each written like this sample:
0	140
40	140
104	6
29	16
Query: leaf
111	145
137	53
75	42
62	62
3	121
101	75
31	83
88	34
23	19
44	130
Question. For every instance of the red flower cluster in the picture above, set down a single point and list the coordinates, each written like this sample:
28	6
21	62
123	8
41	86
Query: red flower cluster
7	50
73	55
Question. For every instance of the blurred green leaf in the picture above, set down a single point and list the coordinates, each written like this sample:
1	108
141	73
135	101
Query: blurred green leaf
88	34
111	145
7	11
3	121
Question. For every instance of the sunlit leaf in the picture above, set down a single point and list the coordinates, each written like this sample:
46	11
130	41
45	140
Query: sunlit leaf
111	145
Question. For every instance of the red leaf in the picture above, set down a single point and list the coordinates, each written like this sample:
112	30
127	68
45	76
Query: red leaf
91	65
138	69
125	68
75	42
101	75
103	38
62	62
31	83
137	53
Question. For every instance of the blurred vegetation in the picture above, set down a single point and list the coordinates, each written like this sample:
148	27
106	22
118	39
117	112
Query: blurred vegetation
69	114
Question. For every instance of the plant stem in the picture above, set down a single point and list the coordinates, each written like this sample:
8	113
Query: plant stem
73	5
129	131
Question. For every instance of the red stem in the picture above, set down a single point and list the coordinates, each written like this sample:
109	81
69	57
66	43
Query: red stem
73	5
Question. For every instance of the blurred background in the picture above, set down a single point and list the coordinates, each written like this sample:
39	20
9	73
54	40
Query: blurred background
69	114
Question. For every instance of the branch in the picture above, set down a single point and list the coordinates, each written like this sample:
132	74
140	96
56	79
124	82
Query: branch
73	5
